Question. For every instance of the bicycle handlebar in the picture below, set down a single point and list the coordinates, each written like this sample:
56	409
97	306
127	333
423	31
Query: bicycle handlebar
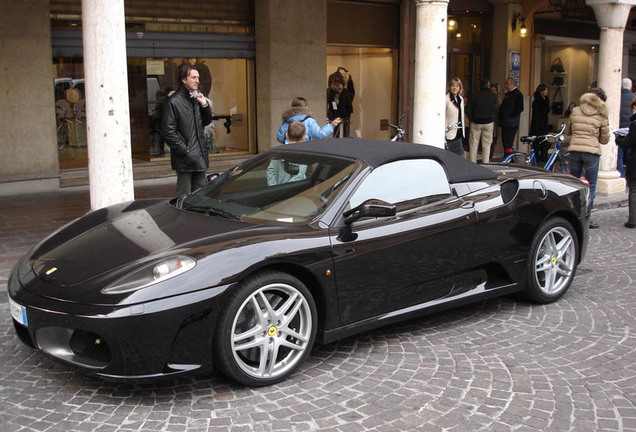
453	126
533	138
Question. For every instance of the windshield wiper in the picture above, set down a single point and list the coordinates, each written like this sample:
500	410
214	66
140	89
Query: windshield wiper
197	209
179	201
222	213
212	211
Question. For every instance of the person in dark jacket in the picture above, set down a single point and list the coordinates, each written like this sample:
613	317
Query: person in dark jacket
624	121
185	115
347	81
339	105
481	113
509	113
629	143
539	122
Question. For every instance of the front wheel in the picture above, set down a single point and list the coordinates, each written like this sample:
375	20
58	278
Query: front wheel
552	261
517	158
266	330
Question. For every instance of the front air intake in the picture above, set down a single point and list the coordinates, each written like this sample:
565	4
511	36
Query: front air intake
90	346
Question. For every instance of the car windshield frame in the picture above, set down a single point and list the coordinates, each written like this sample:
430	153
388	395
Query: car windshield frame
275	187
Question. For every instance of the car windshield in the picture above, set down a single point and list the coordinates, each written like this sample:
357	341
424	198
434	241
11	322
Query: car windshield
283	187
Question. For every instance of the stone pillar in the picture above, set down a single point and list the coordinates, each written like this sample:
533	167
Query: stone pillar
28	142
430	72
611	17
291	60
107	114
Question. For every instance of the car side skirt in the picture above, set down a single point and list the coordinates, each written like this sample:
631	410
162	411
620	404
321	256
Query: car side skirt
479	293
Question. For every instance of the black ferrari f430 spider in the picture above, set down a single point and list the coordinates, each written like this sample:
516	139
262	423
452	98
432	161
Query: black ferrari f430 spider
305	243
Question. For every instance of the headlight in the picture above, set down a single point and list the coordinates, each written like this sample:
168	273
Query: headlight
151	274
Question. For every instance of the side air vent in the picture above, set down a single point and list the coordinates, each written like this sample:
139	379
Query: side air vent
509	190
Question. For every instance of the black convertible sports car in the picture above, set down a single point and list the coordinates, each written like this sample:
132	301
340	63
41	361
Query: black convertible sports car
303	243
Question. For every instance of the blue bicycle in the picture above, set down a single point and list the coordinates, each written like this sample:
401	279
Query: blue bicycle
557	161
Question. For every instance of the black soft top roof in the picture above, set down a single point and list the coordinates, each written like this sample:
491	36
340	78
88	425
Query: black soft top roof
377	153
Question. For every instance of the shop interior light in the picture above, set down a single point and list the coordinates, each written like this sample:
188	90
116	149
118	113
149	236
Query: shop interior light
452	24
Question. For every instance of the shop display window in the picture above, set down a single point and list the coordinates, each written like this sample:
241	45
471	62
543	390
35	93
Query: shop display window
371	74
227	82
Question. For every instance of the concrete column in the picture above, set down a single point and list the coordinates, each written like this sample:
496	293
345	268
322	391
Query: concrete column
611	16
430	72
291	60
28	142
107	115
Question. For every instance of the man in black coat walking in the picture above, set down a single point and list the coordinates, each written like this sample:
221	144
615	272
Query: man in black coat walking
481	112
629	143
185	115
509	113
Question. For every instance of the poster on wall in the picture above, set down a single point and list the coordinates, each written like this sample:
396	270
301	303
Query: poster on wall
154	67
515	61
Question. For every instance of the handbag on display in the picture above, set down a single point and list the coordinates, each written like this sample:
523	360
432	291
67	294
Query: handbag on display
558	81
557	106
557	66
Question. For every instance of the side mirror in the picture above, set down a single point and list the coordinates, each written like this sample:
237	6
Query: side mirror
211	177
370	208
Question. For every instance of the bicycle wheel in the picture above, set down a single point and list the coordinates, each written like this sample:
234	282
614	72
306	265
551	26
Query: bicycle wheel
517	158
561	165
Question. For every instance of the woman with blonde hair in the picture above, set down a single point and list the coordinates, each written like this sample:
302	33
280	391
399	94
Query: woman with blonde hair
455	116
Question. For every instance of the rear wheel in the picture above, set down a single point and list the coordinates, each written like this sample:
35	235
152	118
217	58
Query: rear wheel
552	261
266	329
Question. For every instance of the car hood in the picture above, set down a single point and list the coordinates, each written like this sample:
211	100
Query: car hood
109	240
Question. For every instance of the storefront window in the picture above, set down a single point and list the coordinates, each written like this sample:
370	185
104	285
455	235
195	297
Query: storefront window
371	75
227	82
70	113
469	45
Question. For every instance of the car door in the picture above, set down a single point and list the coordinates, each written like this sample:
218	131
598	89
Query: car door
389	264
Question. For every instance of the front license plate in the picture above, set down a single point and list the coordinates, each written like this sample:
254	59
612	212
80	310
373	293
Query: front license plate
18	313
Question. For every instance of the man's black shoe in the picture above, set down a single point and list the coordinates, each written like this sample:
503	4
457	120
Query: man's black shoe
593	225
630	225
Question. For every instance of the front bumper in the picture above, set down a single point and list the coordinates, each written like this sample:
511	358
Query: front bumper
153	339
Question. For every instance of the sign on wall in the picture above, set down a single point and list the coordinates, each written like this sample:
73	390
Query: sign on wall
515	61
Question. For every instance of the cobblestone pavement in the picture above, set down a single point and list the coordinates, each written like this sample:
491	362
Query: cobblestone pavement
498	365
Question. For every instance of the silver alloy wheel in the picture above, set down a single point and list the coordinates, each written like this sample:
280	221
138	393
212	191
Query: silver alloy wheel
555	260
271	331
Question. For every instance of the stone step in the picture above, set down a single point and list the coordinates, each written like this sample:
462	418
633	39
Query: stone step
149	170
